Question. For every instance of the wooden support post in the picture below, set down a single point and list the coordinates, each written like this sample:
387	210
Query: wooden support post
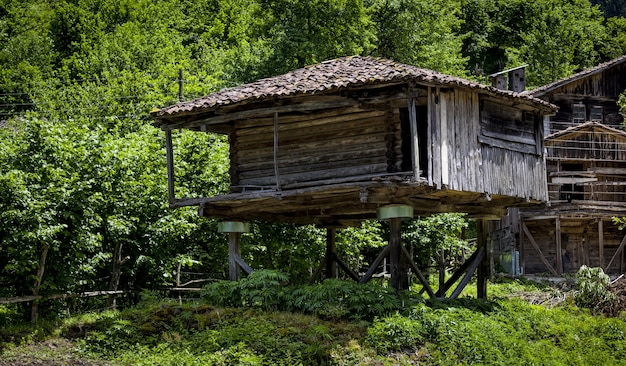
233	253
399	276
414	140
418	273
397	262
601	242
559	249
617	252
536	246
169	151
441	292
478	259
442	269
370	272
481	281
331	253
235	263
277	175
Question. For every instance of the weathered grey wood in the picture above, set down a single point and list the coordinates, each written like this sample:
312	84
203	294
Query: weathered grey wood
601	242
445	158
399	275
420	277
414	140
557	239
169	150
470	272
509	145
481	277
536	246
251	113
233	254
276	173
429	136
243	265
331	253
619	250
370	272
441	291
347	269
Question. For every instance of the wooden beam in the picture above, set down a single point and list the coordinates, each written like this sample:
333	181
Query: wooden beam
241	263
331	253
347	269
370	272
480	254
233	253
276	175
399	276
252	113
414	139
441	292
481	280
601	241
536	246
617	252
418	273
169	150
559	247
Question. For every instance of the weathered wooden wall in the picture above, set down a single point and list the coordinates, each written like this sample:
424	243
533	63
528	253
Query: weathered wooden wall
491	149
580	245
601	89
333	144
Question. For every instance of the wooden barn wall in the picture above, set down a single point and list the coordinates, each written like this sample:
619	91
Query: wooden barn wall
580	245
333	144
602	90
588	145
454	125
512	160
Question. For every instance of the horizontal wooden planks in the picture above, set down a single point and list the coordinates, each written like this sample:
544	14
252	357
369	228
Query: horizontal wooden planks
321	146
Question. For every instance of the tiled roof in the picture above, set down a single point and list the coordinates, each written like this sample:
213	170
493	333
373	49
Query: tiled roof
328	76
594	70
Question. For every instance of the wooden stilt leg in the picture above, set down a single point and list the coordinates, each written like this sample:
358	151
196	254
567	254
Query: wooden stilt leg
233	254
331	253
399	275
481	283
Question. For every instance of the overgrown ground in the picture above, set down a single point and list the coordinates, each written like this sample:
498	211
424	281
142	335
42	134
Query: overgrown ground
522	323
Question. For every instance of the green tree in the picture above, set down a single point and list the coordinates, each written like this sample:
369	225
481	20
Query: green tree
420	33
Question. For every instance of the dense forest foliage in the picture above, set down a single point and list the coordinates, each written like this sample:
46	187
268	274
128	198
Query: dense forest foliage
83	191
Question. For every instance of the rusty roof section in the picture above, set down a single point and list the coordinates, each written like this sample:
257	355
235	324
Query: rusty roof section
588	72
328	76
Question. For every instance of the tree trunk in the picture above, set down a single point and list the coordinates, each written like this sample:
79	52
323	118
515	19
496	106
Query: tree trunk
116	273
34	310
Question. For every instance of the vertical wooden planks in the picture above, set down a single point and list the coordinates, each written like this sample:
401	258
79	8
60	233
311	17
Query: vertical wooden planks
414	140
435	122
443	113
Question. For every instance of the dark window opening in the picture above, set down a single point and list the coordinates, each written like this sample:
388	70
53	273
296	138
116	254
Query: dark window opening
569	192
422	133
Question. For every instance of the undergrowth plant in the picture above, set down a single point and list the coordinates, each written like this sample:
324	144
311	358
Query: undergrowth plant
331	299
593	291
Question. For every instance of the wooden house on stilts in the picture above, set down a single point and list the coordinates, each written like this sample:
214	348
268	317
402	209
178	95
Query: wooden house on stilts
360	138
586	176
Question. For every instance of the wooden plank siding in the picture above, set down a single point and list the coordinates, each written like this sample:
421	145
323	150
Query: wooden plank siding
328	145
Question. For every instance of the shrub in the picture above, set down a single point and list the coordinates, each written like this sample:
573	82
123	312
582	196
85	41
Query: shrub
395	333
593	291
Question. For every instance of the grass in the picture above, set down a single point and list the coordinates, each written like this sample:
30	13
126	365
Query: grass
507	329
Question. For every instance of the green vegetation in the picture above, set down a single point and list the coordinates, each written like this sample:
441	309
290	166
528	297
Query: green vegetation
503	330
83	194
